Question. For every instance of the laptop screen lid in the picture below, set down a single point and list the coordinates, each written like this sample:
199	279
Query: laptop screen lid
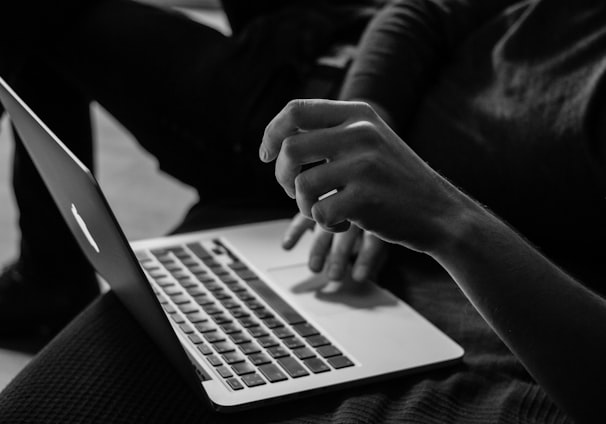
91	221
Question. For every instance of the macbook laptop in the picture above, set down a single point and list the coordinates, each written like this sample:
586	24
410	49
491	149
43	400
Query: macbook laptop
243	321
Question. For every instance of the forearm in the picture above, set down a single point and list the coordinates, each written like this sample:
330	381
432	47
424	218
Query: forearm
553	324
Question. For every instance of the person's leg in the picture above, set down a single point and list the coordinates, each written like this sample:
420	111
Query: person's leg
197	100
52	280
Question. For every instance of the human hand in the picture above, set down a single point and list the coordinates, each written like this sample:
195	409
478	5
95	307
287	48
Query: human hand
378	182
354	251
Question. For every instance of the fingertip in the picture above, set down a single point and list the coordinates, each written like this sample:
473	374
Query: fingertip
360	273
288	242
315	264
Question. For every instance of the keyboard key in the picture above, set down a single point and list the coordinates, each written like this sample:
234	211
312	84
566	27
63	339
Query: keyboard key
195	291
213	286
221	319
293	342
237	288
267	341
227	279
219	270
223	347
254	304
246	274
205	327
278	351
173	290
224	371
328	351
259	359
230	303
257	331
233	357
249	348
214	336
212	309
252	380
178	318
248	322
204	300
277	304
196	317
243	368
244	295
188	308
164	281
199	251
304	353
221	295
273	323
272	373
316	365
234	383
170	309
283	333
214	360
180	299
238	266
340	362
186	328
204	278
263	313
239	313
230	328
305	329
318	340
188	283
195	338
292	367
205	349
239	338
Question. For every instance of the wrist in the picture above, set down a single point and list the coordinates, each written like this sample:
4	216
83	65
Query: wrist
463	224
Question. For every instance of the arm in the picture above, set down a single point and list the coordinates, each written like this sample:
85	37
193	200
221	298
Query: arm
552	323
406	45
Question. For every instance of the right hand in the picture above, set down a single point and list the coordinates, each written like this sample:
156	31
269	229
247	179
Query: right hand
381	185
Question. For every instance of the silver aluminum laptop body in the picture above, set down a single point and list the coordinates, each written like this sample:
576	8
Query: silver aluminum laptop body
365	332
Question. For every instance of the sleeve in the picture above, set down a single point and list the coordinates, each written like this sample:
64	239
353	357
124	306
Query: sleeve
30	26
404	47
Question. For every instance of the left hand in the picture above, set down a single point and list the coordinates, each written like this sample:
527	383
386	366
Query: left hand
354	251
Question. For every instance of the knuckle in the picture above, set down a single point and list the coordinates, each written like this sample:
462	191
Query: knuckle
295	107
366	110
288	147
302	184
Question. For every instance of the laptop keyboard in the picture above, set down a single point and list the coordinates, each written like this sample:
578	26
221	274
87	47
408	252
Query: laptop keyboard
246	331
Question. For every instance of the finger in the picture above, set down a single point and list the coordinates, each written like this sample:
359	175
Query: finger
371	257
320	249
318	183
333	212
297	227
307	114
341	251
306	148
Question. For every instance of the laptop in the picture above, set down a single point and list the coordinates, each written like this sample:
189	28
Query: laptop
243	321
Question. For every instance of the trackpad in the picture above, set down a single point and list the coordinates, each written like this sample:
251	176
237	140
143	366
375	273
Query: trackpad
317	294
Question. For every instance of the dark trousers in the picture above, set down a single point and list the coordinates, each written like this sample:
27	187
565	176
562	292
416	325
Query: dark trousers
194	98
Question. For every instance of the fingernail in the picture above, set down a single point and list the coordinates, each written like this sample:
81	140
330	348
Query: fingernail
287	242
263	154
334	272
315	263
360	273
